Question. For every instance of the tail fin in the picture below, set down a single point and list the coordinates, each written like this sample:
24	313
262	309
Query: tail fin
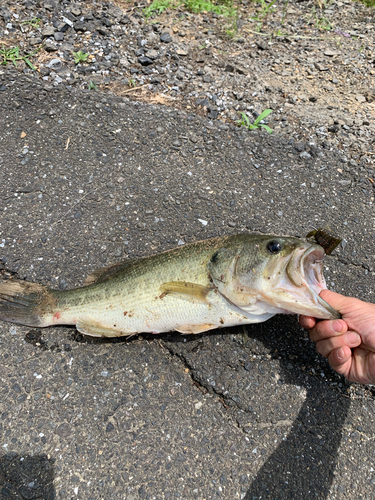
19	301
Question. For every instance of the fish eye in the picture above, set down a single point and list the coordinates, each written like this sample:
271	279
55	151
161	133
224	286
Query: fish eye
274	247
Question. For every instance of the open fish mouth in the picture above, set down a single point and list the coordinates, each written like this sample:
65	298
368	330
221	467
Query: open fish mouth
305	273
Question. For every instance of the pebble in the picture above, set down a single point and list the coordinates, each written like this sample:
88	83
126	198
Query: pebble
145	61
48	31
370	95
50	47
165	38
58	36
344	182
320	67
331	53
152	54
360	98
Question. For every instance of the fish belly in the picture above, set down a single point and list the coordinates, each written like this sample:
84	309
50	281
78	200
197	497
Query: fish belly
162	315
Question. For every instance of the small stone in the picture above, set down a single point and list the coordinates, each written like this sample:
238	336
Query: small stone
313	99
59	37
35	41
50	47
49	4
370	95
62	27
360	98
48	31
152	54
333	128
54	63
107	22
76	11
181	52
320	67
80	26
261	45
165	38
330	53
124	62
102	32
145	61
344	183
305	154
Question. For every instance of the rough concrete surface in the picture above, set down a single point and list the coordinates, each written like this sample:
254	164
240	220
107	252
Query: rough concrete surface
255	412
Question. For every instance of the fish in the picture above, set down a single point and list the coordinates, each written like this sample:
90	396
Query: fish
220	282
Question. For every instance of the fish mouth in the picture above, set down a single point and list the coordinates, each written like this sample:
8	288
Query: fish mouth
305	273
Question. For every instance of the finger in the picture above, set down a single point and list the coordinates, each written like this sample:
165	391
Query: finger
339	302
341	360
349	339
307	322
328	328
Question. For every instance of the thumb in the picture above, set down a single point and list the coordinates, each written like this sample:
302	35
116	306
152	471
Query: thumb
337	301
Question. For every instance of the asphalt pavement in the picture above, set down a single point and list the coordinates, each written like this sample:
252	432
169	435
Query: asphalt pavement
255	413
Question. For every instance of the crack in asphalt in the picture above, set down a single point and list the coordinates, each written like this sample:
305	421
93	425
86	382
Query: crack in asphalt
351	262
200	383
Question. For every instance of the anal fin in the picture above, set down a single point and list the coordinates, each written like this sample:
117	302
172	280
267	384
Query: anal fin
196	328
96	329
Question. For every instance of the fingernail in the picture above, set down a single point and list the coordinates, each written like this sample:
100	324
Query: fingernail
340	353
337	326
352	337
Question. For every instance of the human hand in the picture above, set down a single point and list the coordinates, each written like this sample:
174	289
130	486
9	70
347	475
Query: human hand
348	343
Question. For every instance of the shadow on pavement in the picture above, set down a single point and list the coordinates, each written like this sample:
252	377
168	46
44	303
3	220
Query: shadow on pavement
303	465
26	477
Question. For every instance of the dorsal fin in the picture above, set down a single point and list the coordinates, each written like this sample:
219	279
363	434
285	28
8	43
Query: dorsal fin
108	272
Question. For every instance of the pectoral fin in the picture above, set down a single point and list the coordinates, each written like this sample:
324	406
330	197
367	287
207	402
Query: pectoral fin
189	290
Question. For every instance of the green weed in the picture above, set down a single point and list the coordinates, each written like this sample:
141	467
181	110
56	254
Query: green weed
219	7
245	122
159	6
12	55
92	86
279	33
320	21
80	57
34	22
368	3
232	30
266	8
223	8
132	82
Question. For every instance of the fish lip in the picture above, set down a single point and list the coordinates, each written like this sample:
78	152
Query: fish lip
311	267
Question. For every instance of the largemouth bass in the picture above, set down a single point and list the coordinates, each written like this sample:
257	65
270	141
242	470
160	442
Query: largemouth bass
221	282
